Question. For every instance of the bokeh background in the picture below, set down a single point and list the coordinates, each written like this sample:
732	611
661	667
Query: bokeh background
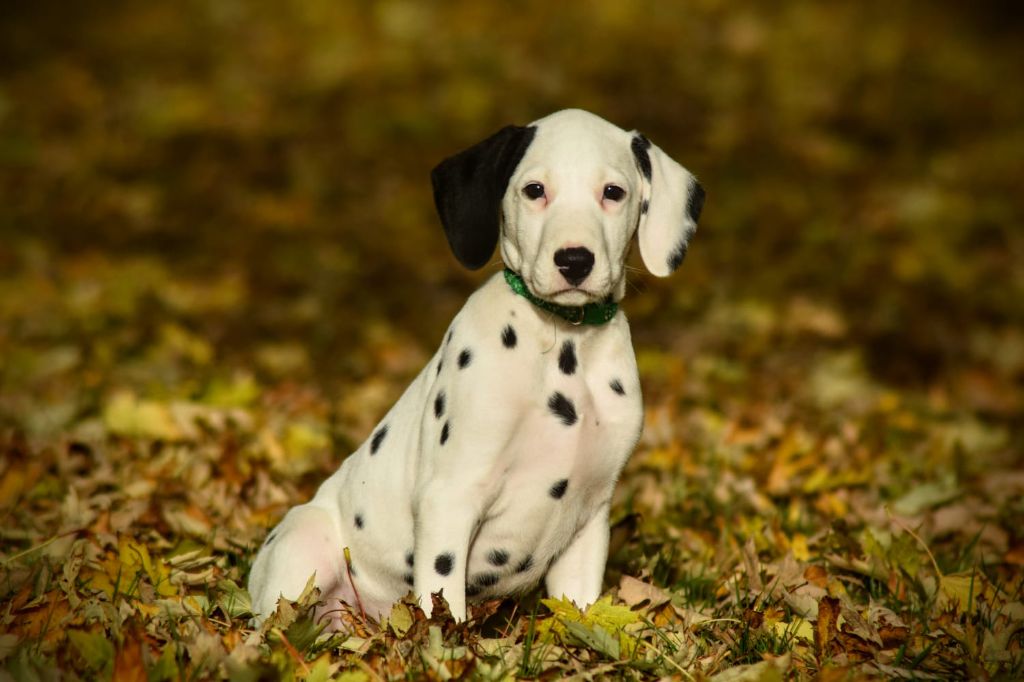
866	156
225	205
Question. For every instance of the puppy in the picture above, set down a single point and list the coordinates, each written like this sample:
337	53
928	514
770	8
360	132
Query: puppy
495	469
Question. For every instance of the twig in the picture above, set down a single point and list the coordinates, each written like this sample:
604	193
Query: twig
348	569
41	545
914	535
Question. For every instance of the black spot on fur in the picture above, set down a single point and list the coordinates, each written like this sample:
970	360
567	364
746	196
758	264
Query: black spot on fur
448	339
567	357
640	145
445	432
359	521
695	200
645	206
410	560
617	387
677	256
465	357
558	490
508	336
408	579
472	590
271	537
497	557
562	408
439	405
486	579
377	439
440	364
443	563
525	565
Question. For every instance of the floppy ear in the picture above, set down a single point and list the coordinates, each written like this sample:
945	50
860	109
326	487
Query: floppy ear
468	189
670	205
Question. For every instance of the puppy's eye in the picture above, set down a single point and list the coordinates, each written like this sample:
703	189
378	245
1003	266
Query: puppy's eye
614	193
534	190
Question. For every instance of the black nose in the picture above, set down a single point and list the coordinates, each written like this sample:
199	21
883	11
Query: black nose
574	264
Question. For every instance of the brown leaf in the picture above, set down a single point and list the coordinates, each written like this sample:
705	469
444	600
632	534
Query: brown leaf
633	592
816	575
128	665
825	627
755	619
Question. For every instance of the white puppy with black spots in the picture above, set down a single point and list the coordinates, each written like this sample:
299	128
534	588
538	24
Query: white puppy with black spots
496	467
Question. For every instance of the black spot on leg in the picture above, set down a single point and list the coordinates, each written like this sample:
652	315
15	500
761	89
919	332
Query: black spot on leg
359	521
472	590
525	565
439	405
562	408
448	339
617	387
465	357
558	489
443	563
645	206
508	336
567	357
408	579
445	432
377	439
695	200
410	559
440	364
486	579
640	145
497	557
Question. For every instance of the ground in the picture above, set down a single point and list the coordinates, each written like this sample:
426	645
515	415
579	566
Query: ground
219	265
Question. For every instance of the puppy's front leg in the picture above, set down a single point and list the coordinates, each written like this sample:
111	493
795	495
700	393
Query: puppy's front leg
579	571
446	515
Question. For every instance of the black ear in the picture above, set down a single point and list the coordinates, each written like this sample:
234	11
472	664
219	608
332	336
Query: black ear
468	188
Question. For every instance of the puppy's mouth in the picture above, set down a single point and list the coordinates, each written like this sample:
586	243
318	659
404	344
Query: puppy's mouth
568	295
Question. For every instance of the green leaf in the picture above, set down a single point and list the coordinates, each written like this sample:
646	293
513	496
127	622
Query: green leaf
595	637
94	648
233	600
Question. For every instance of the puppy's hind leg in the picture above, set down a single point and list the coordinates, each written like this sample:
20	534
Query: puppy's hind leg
306	542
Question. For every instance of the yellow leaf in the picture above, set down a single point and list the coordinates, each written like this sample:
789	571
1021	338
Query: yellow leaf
604	613
401	619
125	415
771	670
601	614
797	627
799	547
962	590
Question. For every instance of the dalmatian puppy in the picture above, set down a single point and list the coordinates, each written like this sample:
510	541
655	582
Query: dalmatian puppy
495	468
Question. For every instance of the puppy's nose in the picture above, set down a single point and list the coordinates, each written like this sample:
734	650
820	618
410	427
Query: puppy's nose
574	263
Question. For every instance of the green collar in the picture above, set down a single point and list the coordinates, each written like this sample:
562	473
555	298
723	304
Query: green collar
591	313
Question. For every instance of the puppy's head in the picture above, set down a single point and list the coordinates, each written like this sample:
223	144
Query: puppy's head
565	196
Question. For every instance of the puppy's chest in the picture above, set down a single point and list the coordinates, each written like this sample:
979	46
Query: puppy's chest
580	421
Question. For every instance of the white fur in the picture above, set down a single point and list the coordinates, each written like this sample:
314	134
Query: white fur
486	493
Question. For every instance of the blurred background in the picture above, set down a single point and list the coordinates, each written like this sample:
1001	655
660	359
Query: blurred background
220	265
202	199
